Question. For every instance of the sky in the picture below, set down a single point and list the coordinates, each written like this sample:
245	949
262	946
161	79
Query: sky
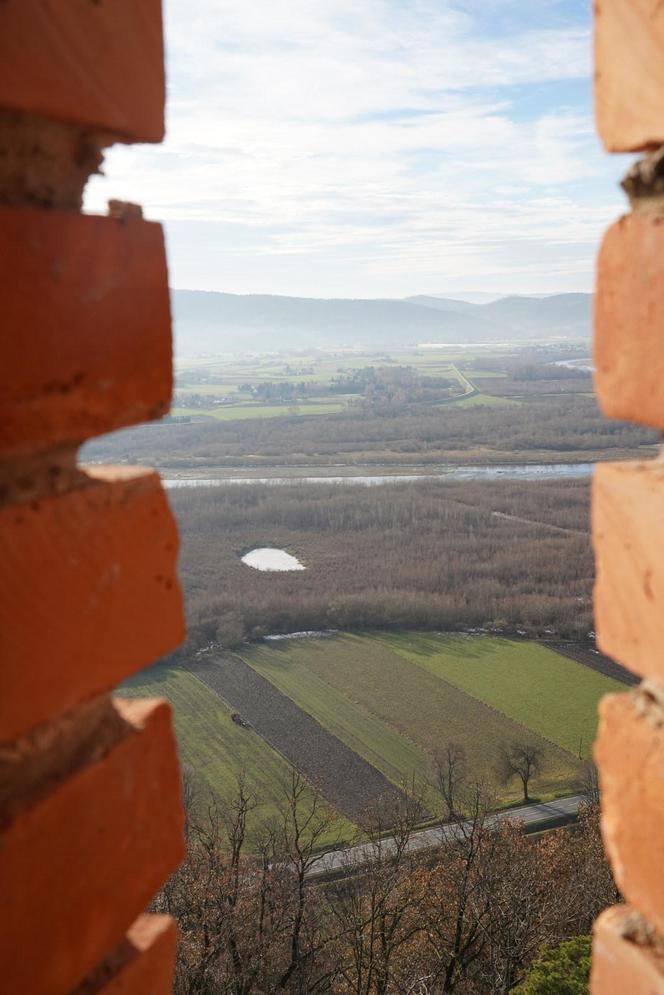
375	148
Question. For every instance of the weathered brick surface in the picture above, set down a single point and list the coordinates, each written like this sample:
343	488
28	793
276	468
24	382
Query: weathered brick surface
88	593
629	320
628	536
78	866
98	64
141	965
91	820
621	966
629	73
86	317
630	754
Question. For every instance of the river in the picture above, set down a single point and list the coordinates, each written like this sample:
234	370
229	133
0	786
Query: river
498	471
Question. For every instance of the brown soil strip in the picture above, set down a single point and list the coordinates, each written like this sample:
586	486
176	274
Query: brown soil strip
596	661
348	781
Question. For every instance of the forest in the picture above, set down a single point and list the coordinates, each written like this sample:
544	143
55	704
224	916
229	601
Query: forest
505	556
468	918
568	427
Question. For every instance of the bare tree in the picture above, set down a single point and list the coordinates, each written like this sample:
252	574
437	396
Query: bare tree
376	904
306	826
520	759
464	917
457	904
523	908
579	873
589	782
451	771
241	898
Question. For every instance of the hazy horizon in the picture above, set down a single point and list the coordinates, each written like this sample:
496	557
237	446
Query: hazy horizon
375	150
467	296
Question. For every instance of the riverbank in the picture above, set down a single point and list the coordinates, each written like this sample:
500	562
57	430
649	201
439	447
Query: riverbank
505	471
477	464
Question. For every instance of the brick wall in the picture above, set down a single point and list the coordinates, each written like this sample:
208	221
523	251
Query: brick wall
628	500
90	810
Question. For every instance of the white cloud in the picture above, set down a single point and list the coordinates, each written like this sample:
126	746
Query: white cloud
356	142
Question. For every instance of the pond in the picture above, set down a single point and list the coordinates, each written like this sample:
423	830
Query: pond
274	560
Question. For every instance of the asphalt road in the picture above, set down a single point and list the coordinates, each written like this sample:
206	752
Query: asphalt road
337	861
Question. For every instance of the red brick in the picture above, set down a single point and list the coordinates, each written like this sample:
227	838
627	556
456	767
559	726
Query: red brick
88	593
629	73
86	311
80	865
620	965
98	64
630	754
628	536
142	965
629	320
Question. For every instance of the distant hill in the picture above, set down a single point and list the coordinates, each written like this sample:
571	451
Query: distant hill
569	314
444	304
471	296
211	323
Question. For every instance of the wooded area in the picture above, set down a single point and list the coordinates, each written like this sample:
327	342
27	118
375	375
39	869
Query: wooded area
425	555
468	918
399	433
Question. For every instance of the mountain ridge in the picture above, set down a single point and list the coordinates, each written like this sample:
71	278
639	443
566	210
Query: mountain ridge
212	322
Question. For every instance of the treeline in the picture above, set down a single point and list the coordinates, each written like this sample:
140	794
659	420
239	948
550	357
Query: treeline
409	434
256	917
549	371
394	387
280	391
544	387
427	555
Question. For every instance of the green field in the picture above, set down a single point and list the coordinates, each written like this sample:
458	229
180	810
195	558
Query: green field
238	412
548	693
398	699
212	745
229	377
291	666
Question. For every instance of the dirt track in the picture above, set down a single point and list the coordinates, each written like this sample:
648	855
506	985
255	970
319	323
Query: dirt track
350	783
540	525
596	661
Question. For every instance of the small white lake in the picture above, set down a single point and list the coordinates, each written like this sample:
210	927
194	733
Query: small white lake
270	559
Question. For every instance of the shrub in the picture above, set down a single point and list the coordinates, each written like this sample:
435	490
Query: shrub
562	970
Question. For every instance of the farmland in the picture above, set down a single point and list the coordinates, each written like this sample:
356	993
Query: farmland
240	412
399	569
211	745
398	699
388	407
527	682
367	713
235	388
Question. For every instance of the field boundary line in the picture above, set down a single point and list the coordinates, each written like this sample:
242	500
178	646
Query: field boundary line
347	781
602	665
366	711
498	711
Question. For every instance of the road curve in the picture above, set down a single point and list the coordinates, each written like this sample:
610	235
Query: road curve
338	861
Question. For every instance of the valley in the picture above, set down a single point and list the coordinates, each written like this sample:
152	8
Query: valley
453	589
